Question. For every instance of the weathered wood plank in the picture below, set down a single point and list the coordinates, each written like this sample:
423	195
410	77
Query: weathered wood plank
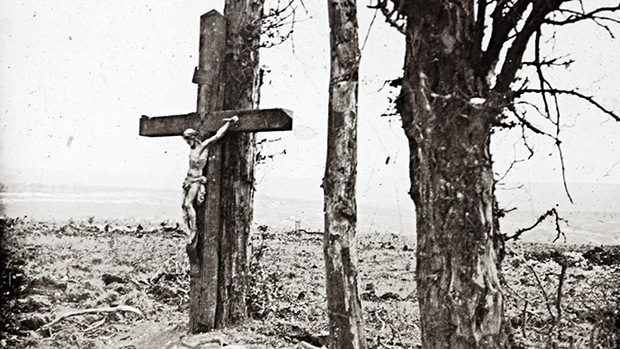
211	56
204	284
210	247
258	120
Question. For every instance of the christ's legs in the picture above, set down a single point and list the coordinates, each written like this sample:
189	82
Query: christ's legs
189	213
189	218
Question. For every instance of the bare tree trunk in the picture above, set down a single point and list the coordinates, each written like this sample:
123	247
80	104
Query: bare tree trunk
244	19
459	292
346	325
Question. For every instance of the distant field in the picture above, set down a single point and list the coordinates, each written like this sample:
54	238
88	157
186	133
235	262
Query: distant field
45	203
593	220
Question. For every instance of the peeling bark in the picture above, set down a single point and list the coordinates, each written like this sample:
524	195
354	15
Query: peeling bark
346	325
241	92
460	296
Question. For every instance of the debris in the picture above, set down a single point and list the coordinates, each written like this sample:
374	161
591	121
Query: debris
369	296
390	296
110	298
609	255
201	339
96	311
295	331
108	279
34	303
47	284
33	322
309	346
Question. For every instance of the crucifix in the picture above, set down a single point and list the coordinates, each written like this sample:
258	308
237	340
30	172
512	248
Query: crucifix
210	77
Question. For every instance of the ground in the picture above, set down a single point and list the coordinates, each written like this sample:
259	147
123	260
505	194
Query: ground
51	269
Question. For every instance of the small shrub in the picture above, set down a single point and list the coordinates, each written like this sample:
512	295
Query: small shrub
265	287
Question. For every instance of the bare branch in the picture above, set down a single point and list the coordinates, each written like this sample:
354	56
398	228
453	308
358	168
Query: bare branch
479	27
125	308
540	112
524	319
531	127
540	285
546	89
551	212
541	77
559	146
612	167
525	143
558	299
581	16
502	26
514	56
393	17
277	18
369	28
570	198
572	93
555	62
514	162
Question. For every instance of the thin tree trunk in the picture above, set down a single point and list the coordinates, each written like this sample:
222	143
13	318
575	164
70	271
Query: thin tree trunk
346	325
241	92
459	292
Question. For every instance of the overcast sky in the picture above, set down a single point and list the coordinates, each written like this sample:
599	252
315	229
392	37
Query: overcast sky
75	77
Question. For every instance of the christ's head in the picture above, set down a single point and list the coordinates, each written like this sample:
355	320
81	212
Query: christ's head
190	136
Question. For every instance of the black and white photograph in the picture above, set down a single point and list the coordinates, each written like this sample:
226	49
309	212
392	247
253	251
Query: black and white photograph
310	174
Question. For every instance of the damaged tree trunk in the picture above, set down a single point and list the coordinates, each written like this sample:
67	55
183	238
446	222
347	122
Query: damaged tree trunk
242	83
458	252
346	327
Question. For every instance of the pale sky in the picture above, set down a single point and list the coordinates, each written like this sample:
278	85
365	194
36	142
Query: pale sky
75	77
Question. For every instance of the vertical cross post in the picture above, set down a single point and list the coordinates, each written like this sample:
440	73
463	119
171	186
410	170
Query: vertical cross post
203	272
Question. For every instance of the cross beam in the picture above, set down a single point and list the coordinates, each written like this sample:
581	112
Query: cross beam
249	121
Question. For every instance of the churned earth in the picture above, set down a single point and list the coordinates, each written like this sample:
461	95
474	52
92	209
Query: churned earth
131	278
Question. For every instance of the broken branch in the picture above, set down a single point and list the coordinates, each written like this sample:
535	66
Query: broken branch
524	319
540	285
95	311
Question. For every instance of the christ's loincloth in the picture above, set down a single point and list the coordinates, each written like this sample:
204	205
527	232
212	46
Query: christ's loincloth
202	190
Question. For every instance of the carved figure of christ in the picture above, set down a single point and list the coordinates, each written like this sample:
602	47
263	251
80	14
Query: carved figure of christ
200	187
194	189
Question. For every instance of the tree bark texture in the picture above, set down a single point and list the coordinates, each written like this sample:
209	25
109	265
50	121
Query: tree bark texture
242	83
346	325
458	252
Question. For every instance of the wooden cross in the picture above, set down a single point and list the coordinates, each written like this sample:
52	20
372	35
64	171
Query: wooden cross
209	76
